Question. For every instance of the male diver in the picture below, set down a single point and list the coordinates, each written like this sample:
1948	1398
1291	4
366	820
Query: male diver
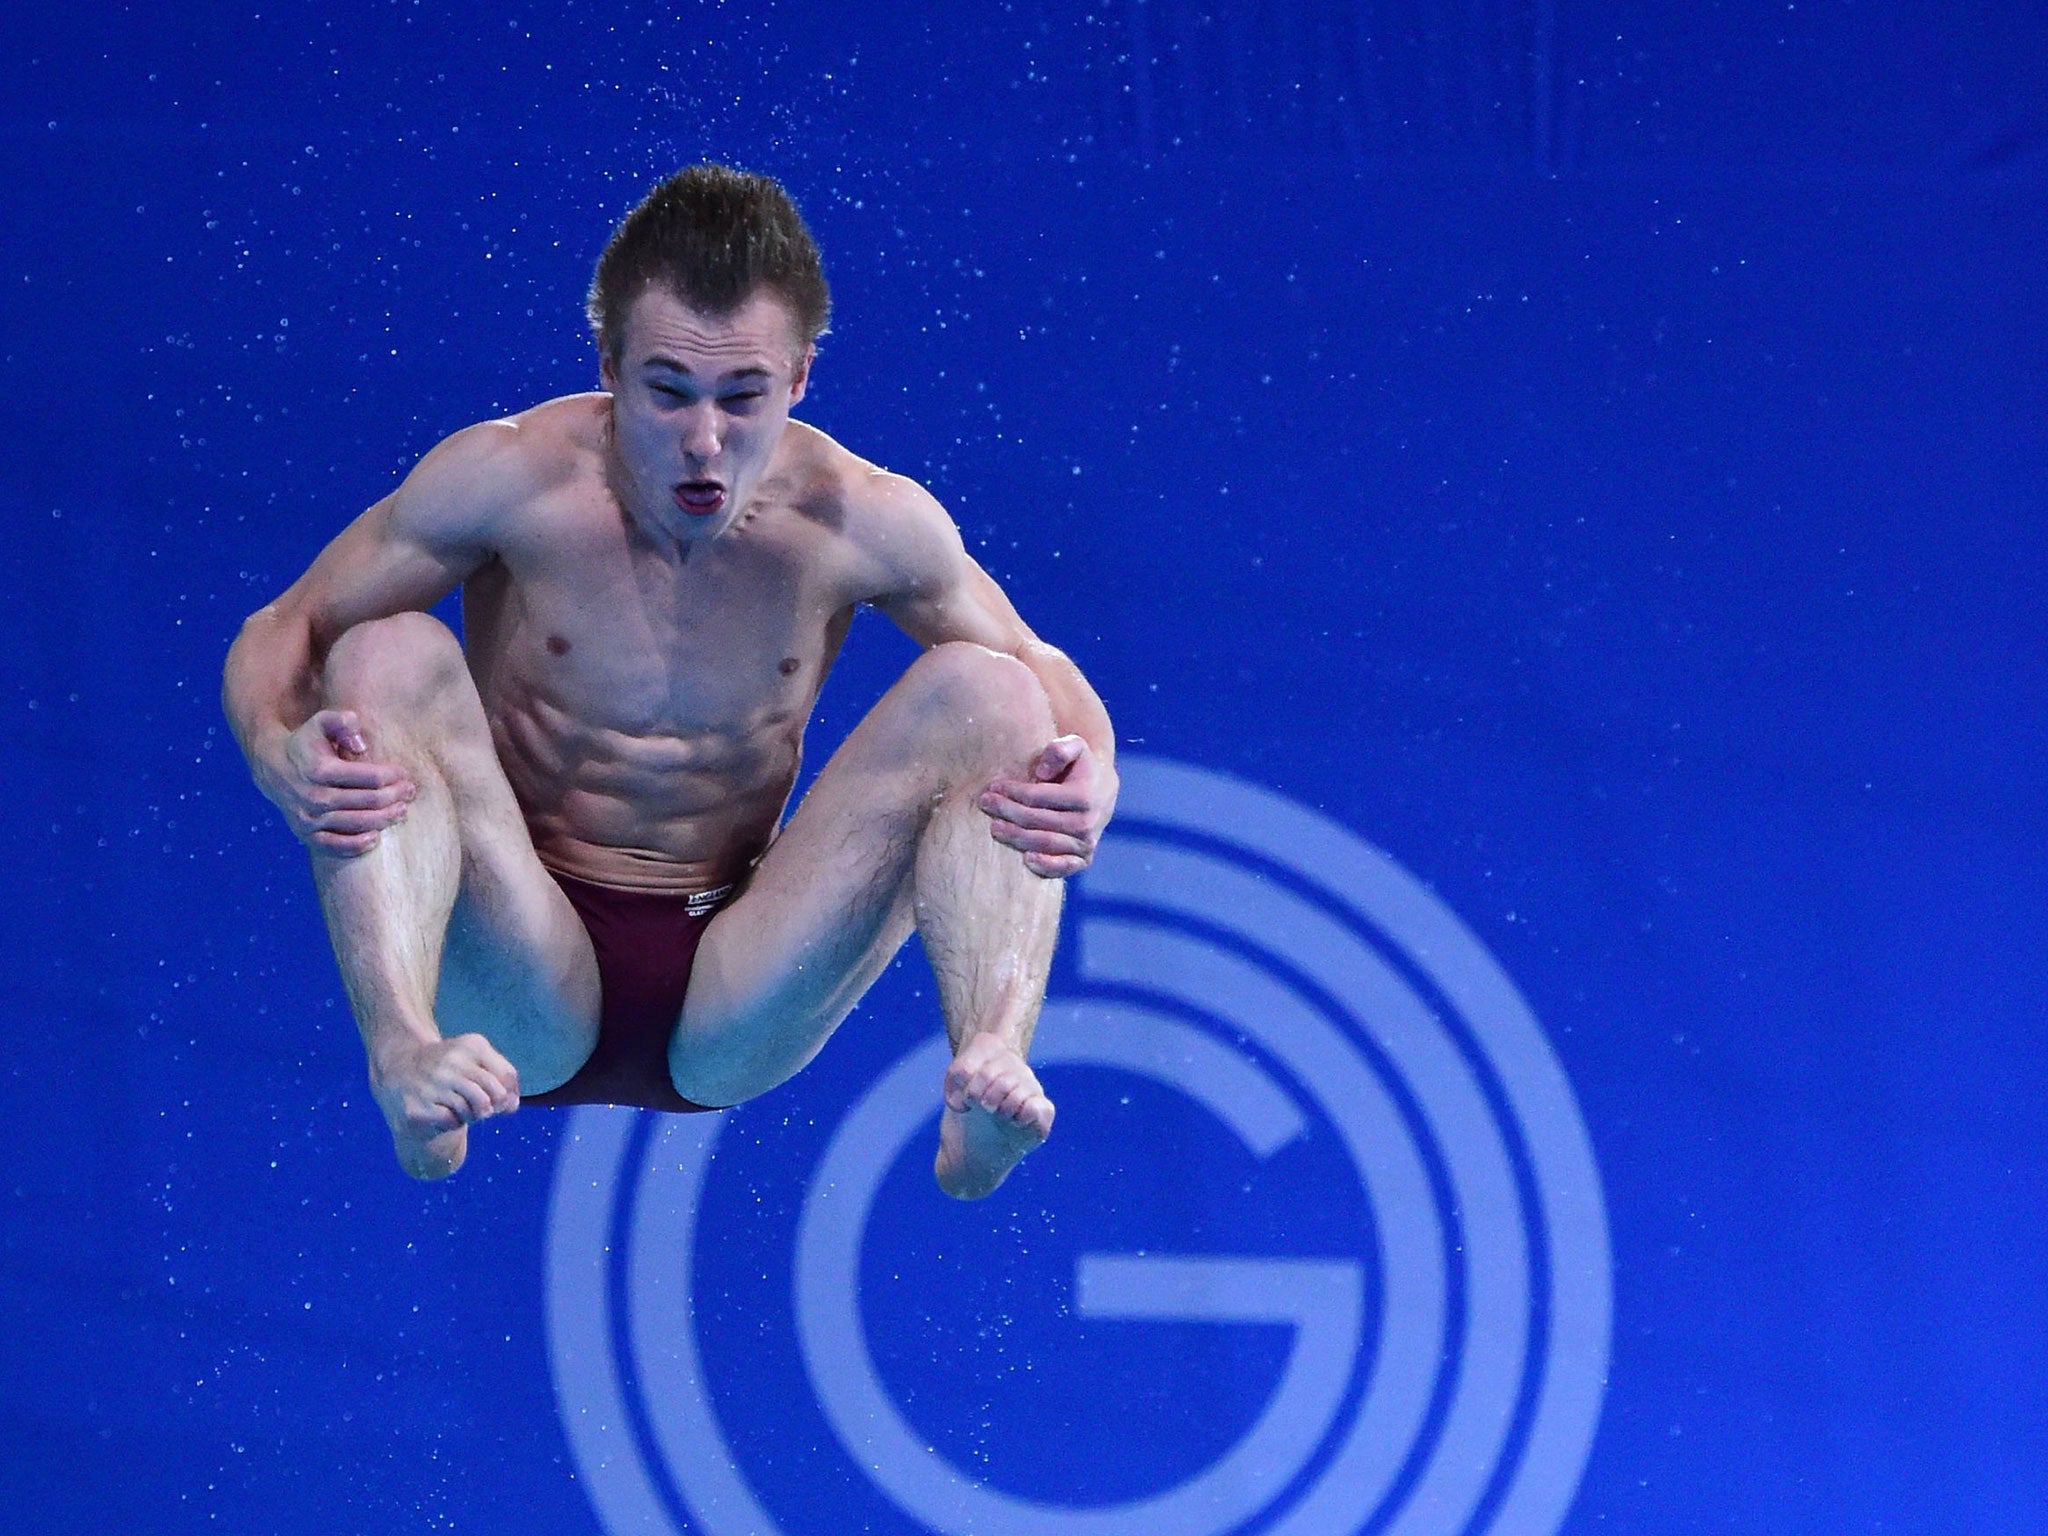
551	855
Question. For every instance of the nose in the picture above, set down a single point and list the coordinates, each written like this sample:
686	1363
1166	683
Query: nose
700	433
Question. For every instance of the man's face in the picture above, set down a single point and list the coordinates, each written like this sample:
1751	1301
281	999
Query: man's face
698	405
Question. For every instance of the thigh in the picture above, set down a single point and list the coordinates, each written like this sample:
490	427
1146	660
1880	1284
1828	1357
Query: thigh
824	911
517	966
832	899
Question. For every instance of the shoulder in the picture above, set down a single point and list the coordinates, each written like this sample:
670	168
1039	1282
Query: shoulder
904	555
473	480
897	526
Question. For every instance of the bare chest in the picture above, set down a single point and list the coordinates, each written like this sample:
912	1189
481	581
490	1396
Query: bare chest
591	630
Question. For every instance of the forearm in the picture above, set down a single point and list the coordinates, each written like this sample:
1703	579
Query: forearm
1076	707
271	682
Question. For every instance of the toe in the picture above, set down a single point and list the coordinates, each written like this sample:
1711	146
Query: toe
1013	1101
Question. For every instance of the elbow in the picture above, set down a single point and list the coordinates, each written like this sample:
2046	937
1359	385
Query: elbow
249	638
1035	649
272	642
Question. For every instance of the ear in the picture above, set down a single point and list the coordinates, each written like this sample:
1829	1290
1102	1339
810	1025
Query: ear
607	370
802	378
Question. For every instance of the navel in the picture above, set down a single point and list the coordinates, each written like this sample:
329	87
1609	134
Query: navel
557	646
789	664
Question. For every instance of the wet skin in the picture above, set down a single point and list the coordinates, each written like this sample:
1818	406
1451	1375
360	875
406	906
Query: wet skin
656	580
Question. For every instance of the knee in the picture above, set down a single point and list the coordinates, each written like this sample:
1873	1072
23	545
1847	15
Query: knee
984	696
405	659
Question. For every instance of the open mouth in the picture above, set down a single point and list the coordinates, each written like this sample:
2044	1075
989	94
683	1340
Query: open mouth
700	498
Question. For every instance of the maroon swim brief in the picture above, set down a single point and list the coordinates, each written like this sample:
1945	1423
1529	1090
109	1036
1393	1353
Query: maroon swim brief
646	943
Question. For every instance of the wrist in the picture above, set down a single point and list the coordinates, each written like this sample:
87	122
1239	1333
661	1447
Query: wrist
263	744
266	749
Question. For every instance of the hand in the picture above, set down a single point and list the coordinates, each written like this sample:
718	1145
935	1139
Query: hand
336	800
1054	818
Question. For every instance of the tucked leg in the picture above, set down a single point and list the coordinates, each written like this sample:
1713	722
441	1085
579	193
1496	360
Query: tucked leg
467	969
890	838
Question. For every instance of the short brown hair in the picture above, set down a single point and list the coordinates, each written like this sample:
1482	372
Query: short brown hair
711	235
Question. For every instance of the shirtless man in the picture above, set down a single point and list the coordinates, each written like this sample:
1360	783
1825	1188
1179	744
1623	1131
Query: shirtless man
549	854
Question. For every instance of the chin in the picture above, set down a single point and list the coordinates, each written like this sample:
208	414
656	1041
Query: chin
697	530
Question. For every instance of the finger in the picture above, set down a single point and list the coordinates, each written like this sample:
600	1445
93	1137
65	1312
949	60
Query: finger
1045	797
1065	870
357	772
1037	839
348	773
1037	818
352	822
361	797
324	798
1030	840
347	845
1054	866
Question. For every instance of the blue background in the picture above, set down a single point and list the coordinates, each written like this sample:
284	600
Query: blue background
1598	456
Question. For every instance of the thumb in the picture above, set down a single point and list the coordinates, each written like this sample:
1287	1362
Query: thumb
341	727
1060	754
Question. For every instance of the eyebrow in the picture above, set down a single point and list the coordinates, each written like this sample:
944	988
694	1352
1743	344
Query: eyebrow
753	371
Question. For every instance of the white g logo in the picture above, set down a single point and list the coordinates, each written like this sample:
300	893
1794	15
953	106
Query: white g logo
1226	902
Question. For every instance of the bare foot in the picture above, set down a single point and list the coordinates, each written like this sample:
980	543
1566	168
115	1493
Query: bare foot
432	1091
995	1113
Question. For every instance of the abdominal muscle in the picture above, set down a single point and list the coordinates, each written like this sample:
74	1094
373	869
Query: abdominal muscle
659	810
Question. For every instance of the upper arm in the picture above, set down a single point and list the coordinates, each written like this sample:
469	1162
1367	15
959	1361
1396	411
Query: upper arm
934	590
419	543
